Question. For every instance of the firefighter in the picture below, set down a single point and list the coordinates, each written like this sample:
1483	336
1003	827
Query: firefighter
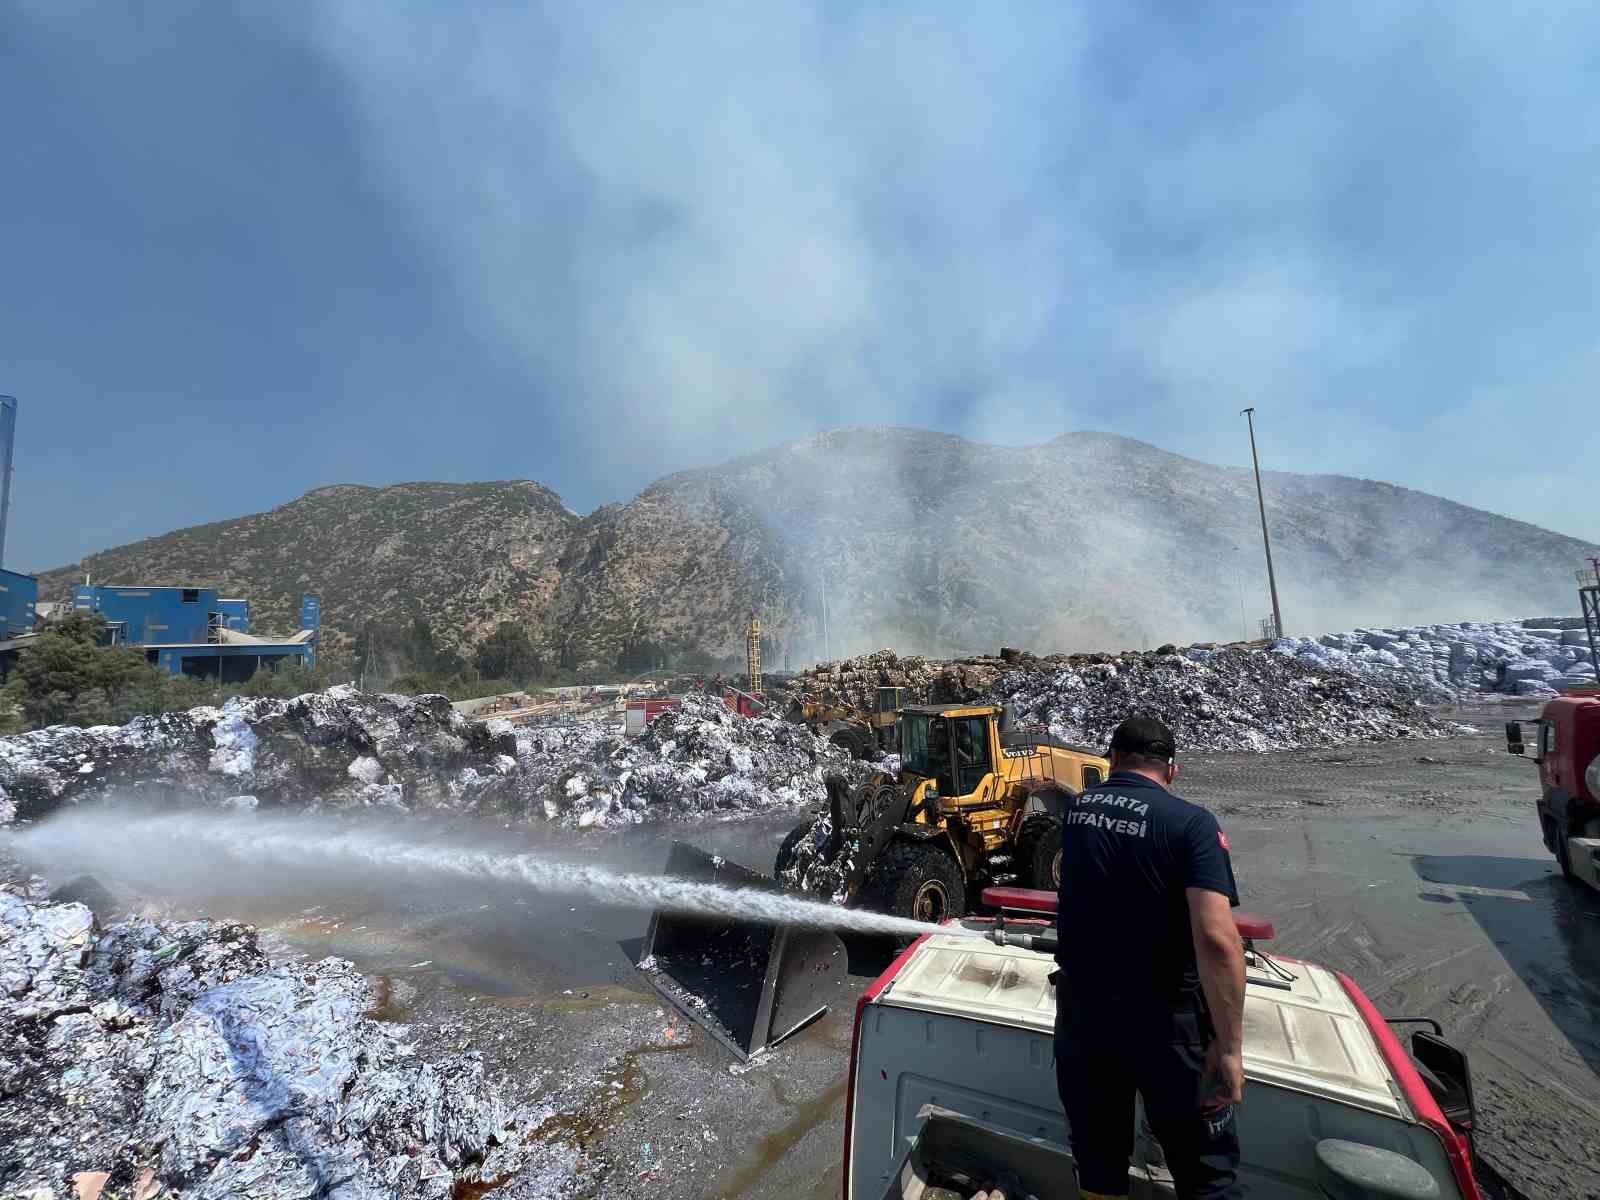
1150	991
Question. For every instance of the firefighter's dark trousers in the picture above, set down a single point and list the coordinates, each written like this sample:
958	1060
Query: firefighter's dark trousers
1102	1059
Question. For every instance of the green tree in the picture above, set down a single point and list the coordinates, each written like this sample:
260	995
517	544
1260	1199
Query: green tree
289	680
66	676
642	655
422	649
508	653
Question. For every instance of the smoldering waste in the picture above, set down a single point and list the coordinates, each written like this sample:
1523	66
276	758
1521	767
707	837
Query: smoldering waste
1213	699
698	759
1224	700
174	1060
346	749
340	748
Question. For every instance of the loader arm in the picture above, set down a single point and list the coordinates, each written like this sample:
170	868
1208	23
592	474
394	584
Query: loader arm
866	820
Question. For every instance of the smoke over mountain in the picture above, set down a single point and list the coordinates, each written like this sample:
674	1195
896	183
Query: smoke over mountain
921	541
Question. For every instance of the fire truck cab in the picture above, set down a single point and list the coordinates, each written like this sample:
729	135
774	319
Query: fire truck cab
953	1058
1565	743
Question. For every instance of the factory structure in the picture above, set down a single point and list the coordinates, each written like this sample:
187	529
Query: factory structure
183	630
194	631
19	594
19	603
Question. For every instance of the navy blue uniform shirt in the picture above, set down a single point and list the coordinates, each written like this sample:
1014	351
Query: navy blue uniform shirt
1130	849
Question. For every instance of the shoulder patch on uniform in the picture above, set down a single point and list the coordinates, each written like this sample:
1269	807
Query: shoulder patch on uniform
1223	838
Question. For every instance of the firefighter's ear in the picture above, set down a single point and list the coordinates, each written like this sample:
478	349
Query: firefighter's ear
1172	773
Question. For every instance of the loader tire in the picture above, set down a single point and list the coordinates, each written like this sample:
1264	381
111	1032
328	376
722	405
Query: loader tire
790	849
1038	854
917	880
858	742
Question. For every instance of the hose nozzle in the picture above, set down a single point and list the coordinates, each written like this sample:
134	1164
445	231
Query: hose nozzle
1044	942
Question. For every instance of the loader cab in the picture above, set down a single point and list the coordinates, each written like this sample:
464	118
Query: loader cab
974	757
925	747
953	746
884	718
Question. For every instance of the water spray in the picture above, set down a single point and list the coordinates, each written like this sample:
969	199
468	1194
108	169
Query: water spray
267	841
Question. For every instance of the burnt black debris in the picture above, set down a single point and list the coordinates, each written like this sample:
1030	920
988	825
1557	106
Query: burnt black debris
344	749
1223	700
339	748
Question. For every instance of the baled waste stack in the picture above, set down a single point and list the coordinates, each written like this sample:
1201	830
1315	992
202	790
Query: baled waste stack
1537	657
854	682
1222	700
177	1061
700	759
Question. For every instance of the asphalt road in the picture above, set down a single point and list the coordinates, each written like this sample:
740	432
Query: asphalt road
1414	866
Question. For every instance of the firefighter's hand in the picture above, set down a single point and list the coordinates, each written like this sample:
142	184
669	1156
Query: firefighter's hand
1223	1083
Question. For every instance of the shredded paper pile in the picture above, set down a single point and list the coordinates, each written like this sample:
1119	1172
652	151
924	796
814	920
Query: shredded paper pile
159	1061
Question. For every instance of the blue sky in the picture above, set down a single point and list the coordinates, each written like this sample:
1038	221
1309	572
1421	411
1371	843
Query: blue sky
252	249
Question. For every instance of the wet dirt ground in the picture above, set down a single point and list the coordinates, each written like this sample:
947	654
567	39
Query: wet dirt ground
1414	866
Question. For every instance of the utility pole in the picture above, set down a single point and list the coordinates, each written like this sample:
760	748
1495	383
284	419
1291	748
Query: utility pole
827	650
1238	582
1266	541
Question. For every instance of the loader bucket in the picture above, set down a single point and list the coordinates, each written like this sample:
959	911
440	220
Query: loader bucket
749	984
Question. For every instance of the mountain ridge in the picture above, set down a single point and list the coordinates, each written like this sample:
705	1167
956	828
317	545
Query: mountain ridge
922	540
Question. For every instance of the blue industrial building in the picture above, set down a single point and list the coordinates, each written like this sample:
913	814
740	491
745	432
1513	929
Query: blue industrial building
194	631
19	598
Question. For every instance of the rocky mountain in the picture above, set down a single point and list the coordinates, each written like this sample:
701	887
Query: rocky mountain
466	554
866	537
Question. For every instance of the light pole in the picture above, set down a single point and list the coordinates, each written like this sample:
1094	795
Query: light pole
1266	541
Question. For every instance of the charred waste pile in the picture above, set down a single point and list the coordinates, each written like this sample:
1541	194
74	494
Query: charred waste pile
700	759
152	1060
1214	699
344	749
1223	700
348	750
340	748
145	1059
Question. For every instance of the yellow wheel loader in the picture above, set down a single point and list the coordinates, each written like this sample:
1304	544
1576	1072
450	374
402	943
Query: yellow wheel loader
860	732
976	802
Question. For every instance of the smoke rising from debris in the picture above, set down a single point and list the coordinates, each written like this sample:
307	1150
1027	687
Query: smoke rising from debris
595	243
714	230
710	228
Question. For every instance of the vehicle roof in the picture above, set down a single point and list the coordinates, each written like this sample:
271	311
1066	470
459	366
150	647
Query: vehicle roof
939	710
1573	699
1309	1038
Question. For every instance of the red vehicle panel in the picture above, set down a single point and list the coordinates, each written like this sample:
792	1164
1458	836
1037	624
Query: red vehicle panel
1570	745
